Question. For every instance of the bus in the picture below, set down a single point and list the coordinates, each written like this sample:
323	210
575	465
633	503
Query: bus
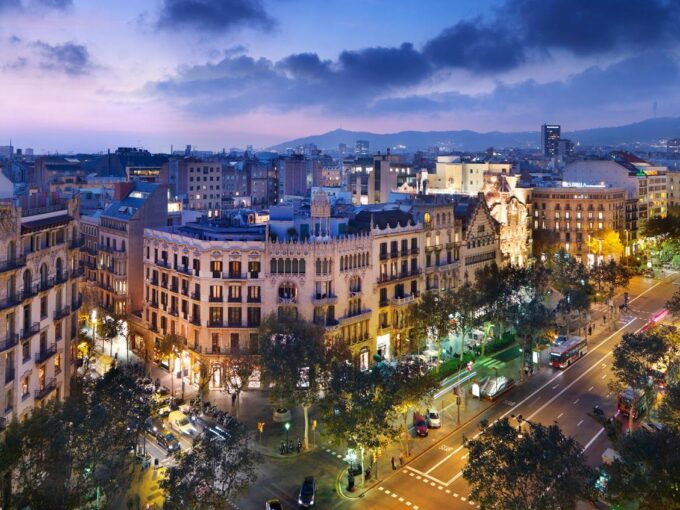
635	400
567	352
656	319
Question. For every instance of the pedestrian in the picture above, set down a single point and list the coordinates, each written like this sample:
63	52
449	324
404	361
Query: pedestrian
394	464
604	319
401	459
233	400
590	330
158	382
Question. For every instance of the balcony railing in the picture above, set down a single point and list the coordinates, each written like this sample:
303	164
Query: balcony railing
398	276
62	312
46	353
48	388
234	276
234	299
215	299
291	300
10	374
76	243
185	270
29	292
324	299
77	272
15	263
9	301
257	299
76	303
196	296
9	341
404	300
196	321
29	331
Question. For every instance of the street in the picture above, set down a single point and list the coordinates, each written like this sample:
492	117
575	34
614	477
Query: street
434	479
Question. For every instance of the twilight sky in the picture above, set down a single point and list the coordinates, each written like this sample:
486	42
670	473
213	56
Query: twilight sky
86	75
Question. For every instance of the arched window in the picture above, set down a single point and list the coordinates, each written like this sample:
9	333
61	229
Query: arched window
294	268
11	286
318	266
44	272
28	280
272	266
287	266
302	266
59	269
11	252
281	266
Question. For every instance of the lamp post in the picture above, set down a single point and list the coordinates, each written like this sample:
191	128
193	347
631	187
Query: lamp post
287	427
93	317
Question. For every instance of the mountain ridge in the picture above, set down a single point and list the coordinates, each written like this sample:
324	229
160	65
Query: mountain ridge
647	131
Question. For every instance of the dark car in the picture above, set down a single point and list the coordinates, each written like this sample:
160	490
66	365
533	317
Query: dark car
153	426
307	492
168	442
273	504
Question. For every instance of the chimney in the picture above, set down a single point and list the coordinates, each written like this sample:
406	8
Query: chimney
122	189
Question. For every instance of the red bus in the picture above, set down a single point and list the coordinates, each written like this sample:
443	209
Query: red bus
566	353
658	317
632	401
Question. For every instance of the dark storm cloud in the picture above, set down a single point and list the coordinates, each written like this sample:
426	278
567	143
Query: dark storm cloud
382	79
214	15
69	57
587	27
477	46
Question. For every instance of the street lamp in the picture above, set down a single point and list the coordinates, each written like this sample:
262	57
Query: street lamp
287	427
93	316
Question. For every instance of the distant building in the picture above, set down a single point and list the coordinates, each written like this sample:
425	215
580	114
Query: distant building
550	138
673	146
6	151
565	148
673	189
293	176
372	183
263	183
204	186
342	149
361	148
143	173
455	176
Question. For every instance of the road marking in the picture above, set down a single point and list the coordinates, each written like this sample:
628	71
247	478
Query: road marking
591	388
576	401
447	457
579	423
401	499
593	439
604	376
464	456
559	416
420	473
556	386
448	491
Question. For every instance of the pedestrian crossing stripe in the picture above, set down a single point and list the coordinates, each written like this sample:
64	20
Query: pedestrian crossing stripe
490	362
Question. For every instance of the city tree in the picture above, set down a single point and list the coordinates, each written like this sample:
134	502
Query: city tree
669	409
465	304
238	372
633	359
535	468
532	322
608	277
294	359
430	318
169	348
647	470
214	472
607	244
357	410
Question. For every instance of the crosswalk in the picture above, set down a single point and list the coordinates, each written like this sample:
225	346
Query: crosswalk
489	363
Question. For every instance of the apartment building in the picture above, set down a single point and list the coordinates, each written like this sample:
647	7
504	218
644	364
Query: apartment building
673	188
371	183
569	218
455	176
119	246
204	188
39	300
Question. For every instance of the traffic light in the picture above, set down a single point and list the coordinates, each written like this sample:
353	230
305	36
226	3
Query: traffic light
313	424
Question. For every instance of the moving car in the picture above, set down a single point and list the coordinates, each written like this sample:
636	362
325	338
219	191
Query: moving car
419	424
307	492
494	387
180	423
433	419
273	504
168	442
153	426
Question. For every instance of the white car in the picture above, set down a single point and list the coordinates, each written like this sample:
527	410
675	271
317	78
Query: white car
433	419
181	424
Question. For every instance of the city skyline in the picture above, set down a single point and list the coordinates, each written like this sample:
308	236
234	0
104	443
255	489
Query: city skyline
221	74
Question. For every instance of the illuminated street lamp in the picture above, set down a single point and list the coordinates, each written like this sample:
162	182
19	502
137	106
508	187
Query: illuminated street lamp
287	427
93	316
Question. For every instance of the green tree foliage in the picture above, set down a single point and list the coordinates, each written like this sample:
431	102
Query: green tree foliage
238	372
648	470
634	357
609	276
669	410
673	304
465	303
294	358
430	319
662	227
63	453
537	469
168	348
212	473
532	322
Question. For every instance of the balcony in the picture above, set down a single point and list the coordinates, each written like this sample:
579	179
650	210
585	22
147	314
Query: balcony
196	296
383	303
46	284
76	243
415	251
216	324
438	247
174	287
88	264
394	254
29	292
46	353
252	299
185	270
153	303
324	299
9	341
11	264
234	299
234	276
254	275
62	312
152	281
28	332
404	300
174	311
196	321
355	317
384	255
48	388
385	278
286	300
214	299
162	263
10	374
9	302
384	328
76	303
428	249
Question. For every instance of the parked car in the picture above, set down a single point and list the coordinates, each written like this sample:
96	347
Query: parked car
273	504
164	410
651	426
420	424
307	492
180	423
168	442
153	425
433	419
281	415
